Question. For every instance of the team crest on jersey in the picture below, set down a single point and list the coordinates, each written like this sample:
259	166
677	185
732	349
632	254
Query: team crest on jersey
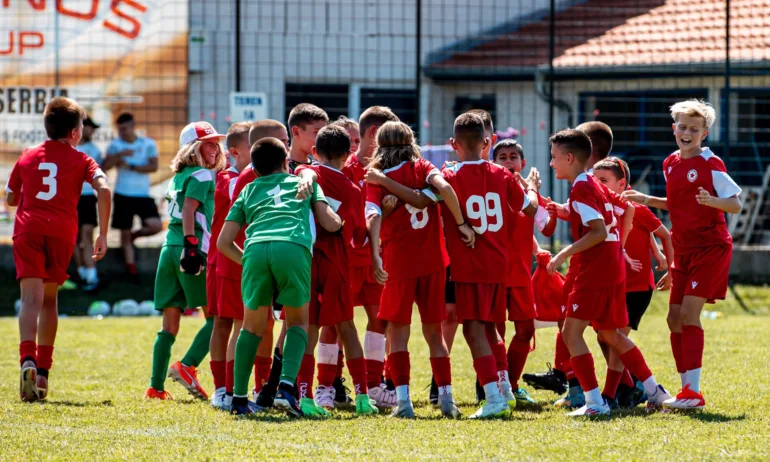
692	175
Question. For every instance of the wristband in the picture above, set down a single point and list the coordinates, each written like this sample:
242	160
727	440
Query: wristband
646	200
191	242
462	224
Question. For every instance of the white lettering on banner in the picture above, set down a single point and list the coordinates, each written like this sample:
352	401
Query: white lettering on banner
248	106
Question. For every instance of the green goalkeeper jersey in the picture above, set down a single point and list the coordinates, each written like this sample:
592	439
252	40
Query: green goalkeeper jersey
271	212
196	183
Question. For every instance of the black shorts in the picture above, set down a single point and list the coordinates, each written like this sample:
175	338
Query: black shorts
449	289
125	207
636	304
87	210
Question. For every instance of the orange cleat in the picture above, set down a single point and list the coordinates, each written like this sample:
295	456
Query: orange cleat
187	376
152	393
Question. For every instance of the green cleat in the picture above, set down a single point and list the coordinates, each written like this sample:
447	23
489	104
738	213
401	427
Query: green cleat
365	406
522	397
311	409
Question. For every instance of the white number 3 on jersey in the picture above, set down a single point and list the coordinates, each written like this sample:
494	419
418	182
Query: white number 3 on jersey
49	180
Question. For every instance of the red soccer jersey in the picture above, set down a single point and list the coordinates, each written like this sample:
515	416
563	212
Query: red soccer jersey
225	266
602	265
49	178
488	195
520	250
345	199
361	256
638	248
412	241
222	198
694	226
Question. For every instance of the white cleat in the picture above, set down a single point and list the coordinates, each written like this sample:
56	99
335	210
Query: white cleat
383	397
218	398
507	392
227	403
28	382
324	397
657	400
403	410
686	399
448	407
591	409
489	410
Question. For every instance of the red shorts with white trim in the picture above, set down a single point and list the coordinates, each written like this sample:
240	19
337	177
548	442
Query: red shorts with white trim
364	288
703	273
521	303
605	307
42	257
480	302
330	299
569	282
211	290
427	291
229	298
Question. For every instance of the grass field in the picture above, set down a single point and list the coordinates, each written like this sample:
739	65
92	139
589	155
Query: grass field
101	369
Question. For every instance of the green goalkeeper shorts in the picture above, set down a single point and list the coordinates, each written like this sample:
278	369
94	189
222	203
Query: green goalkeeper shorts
175	289
276	268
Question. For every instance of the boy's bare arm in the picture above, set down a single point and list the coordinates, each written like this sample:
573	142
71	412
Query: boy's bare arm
326	217
725	204
104	205
413	197
644	199
595	236
226	242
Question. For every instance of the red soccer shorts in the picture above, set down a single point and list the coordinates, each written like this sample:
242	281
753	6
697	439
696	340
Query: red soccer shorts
229	299
521	303
427	291
703	273
211	290
568	284
365	289
330	299
480	302
605	307
42	257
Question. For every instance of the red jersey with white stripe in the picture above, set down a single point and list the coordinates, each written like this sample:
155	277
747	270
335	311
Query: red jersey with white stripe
488	193
602	265
694	226
638	248
225	266
344	198
412	241
48	179
223	193
356	172
520	251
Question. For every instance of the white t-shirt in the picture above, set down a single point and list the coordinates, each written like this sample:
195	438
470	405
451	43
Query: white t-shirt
130	183
93	152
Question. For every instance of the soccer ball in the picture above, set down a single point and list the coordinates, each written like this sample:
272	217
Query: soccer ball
147	308
17	306
99	308
126	307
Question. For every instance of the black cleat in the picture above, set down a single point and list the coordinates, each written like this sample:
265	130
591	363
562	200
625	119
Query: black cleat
341	391
241	406
285	400
629	397
553	380
433	394
611	402
481	395
389	385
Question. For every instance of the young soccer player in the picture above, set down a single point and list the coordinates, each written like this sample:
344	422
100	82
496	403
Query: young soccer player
87	213
486	190
331	303
45	184
413	262
305	121
181	278
276	259
698	193
598	292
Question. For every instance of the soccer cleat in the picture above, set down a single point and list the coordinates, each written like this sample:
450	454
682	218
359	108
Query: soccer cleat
28	382
553	380
505	390
218	398
255	407
433	393
341	395
383	397
365	405
630	397
42	385
591	409
311	409
481	395
448	407
264	399
657	399
403	410
522	397
240	406
686	399
227	403
573	399
187	376
611	402
491	410
324	396
285	400
152	393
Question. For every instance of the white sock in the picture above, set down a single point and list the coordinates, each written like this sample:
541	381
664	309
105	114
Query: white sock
328	353
502	376
90	274
402	393
445	390
692	378
650	385
492	391
594	396
82	272
374	346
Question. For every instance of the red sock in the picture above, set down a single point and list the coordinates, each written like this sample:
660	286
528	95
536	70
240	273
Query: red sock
218	372
561	359
485	369
692	347
357	369
611	382
442	371
229	376
340	364
305	377
501	356
44	356
326	374
261	371
387	371
374	371
676	349
627	380
636	364
583	366
400	367
519	350
27	349
132	269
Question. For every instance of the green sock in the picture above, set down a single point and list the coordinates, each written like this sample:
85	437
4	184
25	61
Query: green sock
245	353
161	355
293	350
200	345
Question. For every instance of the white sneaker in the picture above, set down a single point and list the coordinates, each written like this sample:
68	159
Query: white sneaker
488	410
591	409
507	392
383	397
324	396
686	399
659	398
217	399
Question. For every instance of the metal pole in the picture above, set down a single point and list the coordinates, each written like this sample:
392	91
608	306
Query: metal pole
237	45
418	72
56	50
726	101
551	56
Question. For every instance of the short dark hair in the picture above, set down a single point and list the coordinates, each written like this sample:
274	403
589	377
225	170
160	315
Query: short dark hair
469	130
237	133
601	137
376	116
262	128
574	141
124	117
508	143
333	142
306	113
267	155
617	166
345	123
486	117
61	116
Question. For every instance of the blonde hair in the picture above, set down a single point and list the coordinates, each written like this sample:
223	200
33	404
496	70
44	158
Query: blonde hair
190	154
695	108
395	144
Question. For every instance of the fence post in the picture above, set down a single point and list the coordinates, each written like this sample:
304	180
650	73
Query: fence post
418	73
551	56
726	102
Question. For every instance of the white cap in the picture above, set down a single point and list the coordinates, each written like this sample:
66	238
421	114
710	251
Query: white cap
198	131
